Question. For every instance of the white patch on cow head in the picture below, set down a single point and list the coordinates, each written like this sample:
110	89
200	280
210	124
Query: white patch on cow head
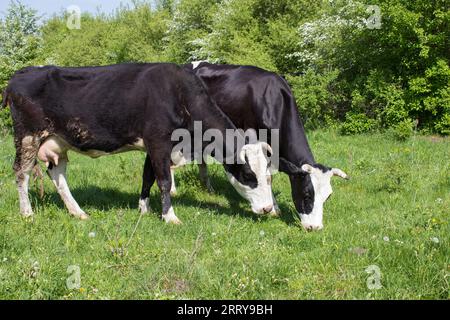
321	181
195	64
260	198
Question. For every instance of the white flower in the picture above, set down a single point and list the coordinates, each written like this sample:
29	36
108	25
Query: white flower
262	233
435	239
386	238
92	234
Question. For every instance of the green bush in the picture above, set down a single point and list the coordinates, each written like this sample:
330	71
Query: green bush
5	121
315	96
340	69
357	123
403	130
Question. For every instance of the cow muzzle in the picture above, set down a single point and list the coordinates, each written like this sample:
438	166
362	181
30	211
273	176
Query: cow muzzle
312	221
312	227
263	210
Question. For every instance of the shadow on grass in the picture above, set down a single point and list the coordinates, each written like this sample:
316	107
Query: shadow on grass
108	199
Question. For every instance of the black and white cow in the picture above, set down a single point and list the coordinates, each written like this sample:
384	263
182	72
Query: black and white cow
255	98
105	110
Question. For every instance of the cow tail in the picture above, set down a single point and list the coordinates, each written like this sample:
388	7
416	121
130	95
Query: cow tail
5	99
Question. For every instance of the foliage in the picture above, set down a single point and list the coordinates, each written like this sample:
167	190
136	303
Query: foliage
357	123
403	130
20	43
369	65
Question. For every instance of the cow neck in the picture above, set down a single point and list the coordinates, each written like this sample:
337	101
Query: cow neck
294	145
221	122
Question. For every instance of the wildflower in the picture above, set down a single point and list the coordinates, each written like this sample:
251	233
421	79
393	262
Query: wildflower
92	234
386	238
34	269
435	239
262	233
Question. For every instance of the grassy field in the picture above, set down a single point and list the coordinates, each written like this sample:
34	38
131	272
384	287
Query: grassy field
393	215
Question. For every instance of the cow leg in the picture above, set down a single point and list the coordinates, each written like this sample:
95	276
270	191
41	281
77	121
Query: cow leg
148	178
58	176
161	168
27	148
173	188
204	178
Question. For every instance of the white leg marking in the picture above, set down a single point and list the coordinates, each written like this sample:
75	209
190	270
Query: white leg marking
58	176
144	205
170	217
24	201
173	188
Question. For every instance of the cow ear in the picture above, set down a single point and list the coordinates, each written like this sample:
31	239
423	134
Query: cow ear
265	146
251	136
340	173
288	167
308	168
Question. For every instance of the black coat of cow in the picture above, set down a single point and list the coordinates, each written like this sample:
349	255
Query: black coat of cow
255	98
102	110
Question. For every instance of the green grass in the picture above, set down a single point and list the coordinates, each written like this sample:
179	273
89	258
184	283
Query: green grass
398	192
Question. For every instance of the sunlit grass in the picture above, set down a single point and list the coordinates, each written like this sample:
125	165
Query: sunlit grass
393	213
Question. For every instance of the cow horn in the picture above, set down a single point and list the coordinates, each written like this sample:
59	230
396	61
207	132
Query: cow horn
242	155
340	173
266	147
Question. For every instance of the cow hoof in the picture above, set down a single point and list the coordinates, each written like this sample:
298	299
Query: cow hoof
27	213
144	206
170	217
172	220
80	215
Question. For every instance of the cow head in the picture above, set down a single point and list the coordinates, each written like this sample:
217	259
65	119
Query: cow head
311	187
252	179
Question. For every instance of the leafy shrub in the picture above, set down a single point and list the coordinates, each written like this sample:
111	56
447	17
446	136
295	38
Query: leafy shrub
20	43
340	69
403	130
443	125
315	97
357	123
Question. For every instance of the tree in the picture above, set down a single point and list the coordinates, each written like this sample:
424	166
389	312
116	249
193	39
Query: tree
20	42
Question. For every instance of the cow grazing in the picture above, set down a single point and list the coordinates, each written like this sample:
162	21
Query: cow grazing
254	98
98	111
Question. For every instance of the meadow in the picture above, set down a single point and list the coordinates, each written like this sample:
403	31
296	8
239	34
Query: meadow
386	231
